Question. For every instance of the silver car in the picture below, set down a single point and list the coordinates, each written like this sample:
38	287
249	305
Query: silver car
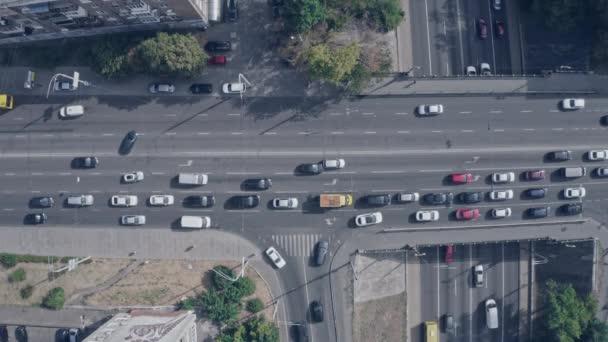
133	220
124	200
161	200
430	109
133	177
285	203
406	197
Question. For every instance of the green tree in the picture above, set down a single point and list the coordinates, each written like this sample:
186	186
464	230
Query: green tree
567	315
302	15
218	308
245	286
254	305
110	56
385	15
175	54
17	275
597	331
26	291
220	282
561	15
190	303
332	65
254	330
54	299
8	260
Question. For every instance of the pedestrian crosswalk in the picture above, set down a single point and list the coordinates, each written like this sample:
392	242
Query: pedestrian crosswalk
297	244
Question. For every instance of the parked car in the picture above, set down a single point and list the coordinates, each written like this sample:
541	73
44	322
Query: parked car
21	333
258	184
559	155
448	324
85	162
201	88
161	200
200	201
536	193
285	203
438	198
364	220
573	104
501	195
133	220
571	193
470	197
499	29
572	208
133	177
538	212
313	169
246	201
232	10
461	178
216	60
504	177
80	200
534	175
301	331
471	71
42	202
74	334
601	172
448	254
128	142
467	214
378	200
71	111
427	215
64	86
321	251
406	197
596	155
482	28
316	311
234	88
429	109
497	4
485	69
329	164
275	257
500	212
124	200
218	45
166	88
38	218
478	275
491	314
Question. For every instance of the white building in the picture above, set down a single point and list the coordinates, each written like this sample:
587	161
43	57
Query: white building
147	326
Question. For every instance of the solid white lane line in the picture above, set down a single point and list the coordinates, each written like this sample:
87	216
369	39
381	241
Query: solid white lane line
496	111
9	174
335	114
529	129
368	113
65	173
170	133
108	134
37	174
203	133
401	113
465	112
270	133
20	136
499	130
234	114
283	173
157	173
337	132
242	173
436	131
369	132
557	129
428	36
403	132
467	131
439	170
236	133
525	111
459	35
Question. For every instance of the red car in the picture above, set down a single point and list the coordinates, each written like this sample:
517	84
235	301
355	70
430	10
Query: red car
482	28
534	175
467	214
499	29
216	60
461	178
448	254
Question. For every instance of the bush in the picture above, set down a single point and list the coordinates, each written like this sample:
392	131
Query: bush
8	260
218	308
219	282
54	299
245	286
254	305
17	275
189	303
26	291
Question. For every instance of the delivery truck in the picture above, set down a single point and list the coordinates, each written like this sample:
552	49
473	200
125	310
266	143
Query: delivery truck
335	200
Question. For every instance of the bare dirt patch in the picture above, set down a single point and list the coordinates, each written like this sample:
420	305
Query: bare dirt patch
381	320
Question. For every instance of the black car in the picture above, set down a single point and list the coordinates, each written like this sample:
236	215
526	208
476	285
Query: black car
258	184
86	162
218	45
572	208
246	201
3	333
378	200
232	10
438	198
128	142
559	155
200	201
62	335
470	197
448	324
538	212
42	202
201	88
321	252
301	329
536	193
316	311
21	333
36	218
604	120
313	169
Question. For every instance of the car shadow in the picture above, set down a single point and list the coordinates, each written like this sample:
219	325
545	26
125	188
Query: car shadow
556	176
311	205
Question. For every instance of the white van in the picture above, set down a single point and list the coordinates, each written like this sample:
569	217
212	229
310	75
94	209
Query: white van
80	200
192	178
574	172
195	222
71	111
491	314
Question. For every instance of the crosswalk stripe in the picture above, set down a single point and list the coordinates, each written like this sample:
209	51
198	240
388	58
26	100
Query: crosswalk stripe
300	245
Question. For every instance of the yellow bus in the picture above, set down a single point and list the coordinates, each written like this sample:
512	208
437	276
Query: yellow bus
431	332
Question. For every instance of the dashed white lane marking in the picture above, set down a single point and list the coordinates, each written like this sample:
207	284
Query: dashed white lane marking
283	173
334	114
270	133
203	133
19	136
367	114
158	173
553	110
9	174
444	170
557	129
292	192
95	191
236	133
369	132
35	191
436	131
108	134
234	114
403	132
8	209
303	133
203	114
389	171
499	130
496	111
37	174
465	112
170	133
529	129
337	132
467	131
48	135
401	113
525	111
384	190
65	173
17	119
170	114
156	191
242	173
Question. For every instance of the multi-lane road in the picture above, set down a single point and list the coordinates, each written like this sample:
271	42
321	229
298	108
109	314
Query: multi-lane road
387	148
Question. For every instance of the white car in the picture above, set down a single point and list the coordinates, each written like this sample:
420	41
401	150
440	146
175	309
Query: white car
573	103
133	220
329	164
364	220
133	177
71	111
497	4
500	212
501	195
285	203
275	257
234	88
405	197
433	109
63	86
597	155
503	177
161	200
478	275
471	71
427	216
485	69
575	192
124	200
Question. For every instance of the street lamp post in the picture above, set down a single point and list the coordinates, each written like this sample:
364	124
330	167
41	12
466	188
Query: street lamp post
75	81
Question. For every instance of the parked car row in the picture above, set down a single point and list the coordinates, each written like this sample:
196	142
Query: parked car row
568	104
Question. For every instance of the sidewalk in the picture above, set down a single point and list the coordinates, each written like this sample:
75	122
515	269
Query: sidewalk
38	317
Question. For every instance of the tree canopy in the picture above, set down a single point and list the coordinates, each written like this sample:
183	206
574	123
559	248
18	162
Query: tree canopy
302	15
172	53
562	15
256	329
332	65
